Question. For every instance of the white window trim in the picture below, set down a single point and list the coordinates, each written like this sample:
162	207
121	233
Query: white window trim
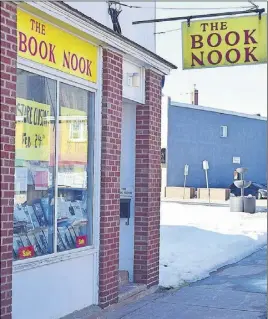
56	75
27	264
20	265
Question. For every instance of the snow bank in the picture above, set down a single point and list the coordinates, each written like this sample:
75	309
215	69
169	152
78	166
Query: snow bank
196	240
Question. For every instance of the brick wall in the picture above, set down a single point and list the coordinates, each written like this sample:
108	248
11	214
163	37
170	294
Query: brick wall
110	178
7	142
148	183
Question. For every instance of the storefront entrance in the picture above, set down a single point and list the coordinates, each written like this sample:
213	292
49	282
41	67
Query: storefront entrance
127	185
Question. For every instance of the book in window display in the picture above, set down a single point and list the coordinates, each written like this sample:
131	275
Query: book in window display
72	234
77	210
30	225
69	238
43	240
19	227
17	244
60	243
65	241
45	205
39	213
33	217
71	211
22	220
77	214
63	209
39	250
19	214
25	240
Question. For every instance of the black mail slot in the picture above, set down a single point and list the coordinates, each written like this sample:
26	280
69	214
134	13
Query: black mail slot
125	208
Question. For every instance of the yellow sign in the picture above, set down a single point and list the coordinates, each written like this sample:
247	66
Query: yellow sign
42	42
224	42
32	131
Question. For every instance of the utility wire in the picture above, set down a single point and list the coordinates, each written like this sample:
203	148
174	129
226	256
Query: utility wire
163	8
172	30
253	4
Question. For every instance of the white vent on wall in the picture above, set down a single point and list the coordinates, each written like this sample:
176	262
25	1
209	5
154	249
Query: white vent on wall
224	131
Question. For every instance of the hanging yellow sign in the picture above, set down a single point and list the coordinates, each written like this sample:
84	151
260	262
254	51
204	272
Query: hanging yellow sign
33	129
224	42
44	43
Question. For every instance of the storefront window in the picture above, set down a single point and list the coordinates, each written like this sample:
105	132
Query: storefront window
34	166
45	223
74	168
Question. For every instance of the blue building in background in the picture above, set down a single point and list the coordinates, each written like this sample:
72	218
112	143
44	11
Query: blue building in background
227	140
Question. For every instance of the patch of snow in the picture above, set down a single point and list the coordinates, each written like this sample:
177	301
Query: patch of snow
196	240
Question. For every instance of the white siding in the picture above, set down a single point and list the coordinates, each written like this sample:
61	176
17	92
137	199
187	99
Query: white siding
55	290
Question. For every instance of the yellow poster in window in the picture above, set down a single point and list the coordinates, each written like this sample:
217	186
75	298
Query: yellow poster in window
33	128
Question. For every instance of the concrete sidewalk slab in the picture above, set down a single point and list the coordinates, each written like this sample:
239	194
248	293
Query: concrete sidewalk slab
234	292
185	312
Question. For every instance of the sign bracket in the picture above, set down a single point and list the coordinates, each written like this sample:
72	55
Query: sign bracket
198	16
189	21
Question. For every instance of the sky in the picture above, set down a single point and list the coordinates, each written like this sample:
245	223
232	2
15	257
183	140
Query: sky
235	88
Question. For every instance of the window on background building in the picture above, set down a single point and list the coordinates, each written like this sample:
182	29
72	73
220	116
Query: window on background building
224	131
49	173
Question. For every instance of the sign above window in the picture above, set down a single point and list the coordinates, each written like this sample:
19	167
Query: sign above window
42	42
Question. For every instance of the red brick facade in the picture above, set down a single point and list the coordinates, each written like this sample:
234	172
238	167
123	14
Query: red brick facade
8	112
148	183
110	178
148	171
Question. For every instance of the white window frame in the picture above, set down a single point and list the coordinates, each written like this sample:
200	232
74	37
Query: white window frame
96	88
224	131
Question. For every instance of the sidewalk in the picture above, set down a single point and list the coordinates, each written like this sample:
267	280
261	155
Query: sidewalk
234	292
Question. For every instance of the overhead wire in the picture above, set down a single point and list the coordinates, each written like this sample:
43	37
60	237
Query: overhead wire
163	32
253	4
166	8
177	29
